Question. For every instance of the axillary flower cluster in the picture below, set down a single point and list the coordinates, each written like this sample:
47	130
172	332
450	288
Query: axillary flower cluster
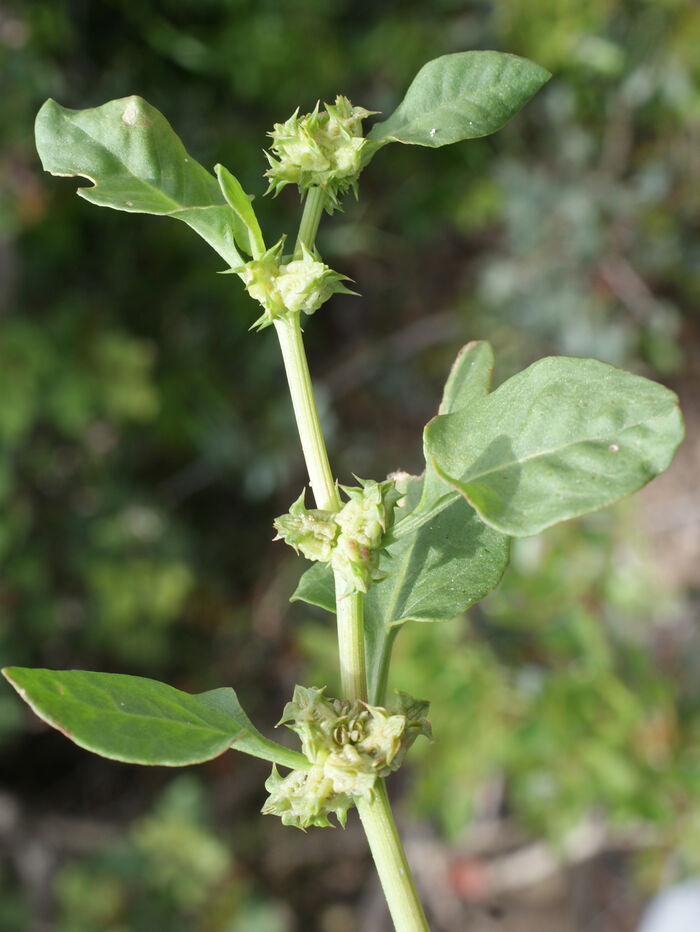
351	539
350	745
324	149
288	287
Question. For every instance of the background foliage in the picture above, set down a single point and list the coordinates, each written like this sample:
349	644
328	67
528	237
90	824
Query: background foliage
146	439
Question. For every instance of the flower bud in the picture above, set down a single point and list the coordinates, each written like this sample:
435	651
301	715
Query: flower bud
312	533
305	284
363	522
304	798
349	539
288	288
319	149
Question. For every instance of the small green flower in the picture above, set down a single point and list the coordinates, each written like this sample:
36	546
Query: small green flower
319	149
288	288
313	532
349	539
350	745
260	279
363	522
304	798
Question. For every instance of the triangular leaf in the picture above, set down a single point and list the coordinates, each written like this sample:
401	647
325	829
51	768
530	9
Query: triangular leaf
562	438
141	721
137	164
461	96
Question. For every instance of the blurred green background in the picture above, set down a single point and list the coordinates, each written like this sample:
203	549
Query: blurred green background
146	442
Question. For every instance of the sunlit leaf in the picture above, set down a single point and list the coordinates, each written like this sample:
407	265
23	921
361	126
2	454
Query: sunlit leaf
461	96
562	438
141	721
136	163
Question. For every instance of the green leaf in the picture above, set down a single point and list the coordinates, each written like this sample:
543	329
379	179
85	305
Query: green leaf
316	587
433	574
138	164
461	96
470	377
141	721
441	559
564	437
246	227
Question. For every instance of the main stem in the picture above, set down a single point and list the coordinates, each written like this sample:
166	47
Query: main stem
377	819
301	390
390	860
351	633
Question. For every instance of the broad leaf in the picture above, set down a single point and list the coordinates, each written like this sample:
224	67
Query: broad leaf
246	227
136	163
564	437
141	721
461	96
433	574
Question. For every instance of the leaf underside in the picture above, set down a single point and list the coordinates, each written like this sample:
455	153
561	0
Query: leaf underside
246	227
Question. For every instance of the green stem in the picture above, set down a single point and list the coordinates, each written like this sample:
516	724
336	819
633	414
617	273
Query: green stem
351	645
390	860
378	674
351	637
310	219
302	393
376	816
276	754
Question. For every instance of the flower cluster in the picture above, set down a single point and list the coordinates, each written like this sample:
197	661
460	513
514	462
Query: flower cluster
324	149
349	539
349	745
289	287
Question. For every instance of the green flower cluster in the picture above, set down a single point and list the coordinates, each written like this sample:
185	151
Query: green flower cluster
289	287
324	149
350	745
349	539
